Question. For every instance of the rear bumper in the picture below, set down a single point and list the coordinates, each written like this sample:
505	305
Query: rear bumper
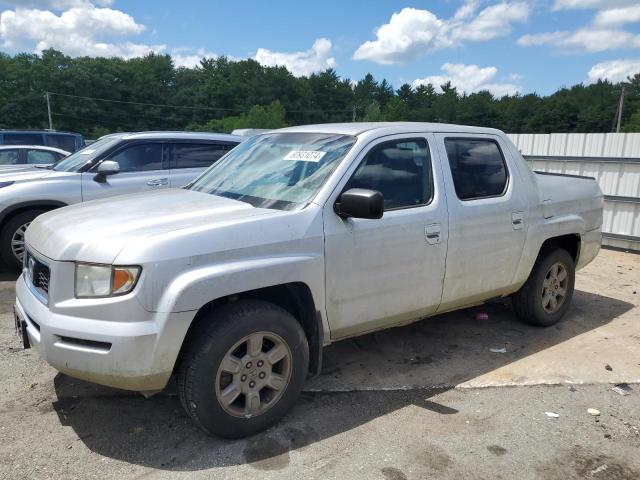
134	355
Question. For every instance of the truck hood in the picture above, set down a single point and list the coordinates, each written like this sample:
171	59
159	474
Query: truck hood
97	231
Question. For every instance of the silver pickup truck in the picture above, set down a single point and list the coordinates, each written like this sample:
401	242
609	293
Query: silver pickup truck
295	239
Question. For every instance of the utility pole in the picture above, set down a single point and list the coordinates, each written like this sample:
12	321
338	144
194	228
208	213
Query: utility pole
49	110
620	106
353	114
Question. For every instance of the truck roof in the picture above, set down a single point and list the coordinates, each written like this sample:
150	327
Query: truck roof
176	136
357	128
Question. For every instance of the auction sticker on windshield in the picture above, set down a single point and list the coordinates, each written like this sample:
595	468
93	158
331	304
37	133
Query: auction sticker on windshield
305	155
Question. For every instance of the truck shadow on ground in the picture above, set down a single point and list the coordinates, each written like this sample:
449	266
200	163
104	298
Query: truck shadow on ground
385	371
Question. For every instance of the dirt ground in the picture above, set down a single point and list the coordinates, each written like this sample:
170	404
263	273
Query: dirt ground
429	400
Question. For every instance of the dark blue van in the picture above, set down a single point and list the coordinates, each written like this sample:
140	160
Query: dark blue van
63	140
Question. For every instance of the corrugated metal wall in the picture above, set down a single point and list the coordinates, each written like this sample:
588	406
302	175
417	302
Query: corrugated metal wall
612	158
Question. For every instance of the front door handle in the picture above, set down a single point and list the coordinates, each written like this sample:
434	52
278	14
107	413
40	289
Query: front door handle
517	220
432	233
158	182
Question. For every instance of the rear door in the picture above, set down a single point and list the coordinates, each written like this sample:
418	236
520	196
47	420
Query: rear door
487	218
142	168
190	159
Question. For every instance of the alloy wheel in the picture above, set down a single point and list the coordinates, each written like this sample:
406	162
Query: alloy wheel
253	374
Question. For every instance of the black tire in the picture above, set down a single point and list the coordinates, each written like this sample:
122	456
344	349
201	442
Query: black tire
210	343
11	227
528	301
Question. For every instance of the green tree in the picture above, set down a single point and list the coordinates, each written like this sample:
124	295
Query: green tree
272	116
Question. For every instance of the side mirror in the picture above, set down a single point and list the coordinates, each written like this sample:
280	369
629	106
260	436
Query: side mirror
360	203
108	167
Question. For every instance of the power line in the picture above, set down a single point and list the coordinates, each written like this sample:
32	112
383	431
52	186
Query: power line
220	109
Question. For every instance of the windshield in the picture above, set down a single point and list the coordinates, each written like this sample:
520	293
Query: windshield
77	160
279	170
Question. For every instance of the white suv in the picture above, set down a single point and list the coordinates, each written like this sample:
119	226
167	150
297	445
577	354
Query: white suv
114	165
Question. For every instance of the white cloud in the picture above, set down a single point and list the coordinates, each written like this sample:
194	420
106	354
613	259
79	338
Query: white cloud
186	57
602	33
470	79
494	21
614	70
317	58
590	4
412	32
77	31
618	16
57	4
536	39
587	39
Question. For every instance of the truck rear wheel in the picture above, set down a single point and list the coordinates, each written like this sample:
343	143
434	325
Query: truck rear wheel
244	368
546	296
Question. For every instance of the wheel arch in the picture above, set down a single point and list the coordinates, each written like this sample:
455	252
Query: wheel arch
569	242
10	212
294	297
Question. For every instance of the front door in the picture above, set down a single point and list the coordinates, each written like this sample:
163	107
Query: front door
142	168
390	270
487	218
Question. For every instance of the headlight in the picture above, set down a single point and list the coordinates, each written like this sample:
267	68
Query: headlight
104	280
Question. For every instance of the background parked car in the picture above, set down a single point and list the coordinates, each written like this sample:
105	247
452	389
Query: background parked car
116	164
19	157
67	141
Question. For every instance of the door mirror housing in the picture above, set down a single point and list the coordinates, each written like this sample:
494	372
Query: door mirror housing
108	167
360	203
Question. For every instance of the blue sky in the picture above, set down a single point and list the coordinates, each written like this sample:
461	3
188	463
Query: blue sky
505	46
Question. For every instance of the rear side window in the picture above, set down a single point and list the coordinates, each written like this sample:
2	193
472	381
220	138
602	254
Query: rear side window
198	155
23	139
400	170
8	157
140	157
64	142
477	167
41	157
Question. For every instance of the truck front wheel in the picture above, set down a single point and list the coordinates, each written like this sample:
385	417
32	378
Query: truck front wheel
243	369
546	295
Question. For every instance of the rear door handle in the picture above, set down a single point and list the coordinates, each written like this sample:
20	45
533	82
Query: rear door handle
158	182
517	220
432	233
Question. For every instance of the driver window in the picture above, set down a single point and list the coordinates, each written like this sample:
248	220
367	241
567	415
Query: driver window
400	170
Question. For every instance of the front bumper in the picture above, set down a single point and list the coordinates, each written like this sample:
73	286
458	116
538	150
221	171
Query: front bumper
137	352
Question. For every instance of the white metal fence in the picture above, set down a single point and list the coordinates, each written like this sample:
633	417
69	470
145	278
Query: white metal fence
612	158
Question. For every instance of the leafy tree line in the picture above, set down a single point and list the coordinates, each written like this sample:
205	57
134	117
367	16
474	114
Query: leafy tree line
100	95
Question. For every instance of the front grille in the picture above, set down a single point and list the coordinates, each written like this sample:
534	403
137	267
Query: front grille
38	274
43	279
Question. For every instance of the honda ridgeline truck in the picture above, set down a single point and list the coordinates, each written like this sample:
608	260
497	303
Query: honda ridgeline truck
295	239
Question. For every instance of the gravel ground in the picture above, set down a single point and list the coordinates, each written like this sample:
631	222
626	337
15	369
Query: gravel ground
429	400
